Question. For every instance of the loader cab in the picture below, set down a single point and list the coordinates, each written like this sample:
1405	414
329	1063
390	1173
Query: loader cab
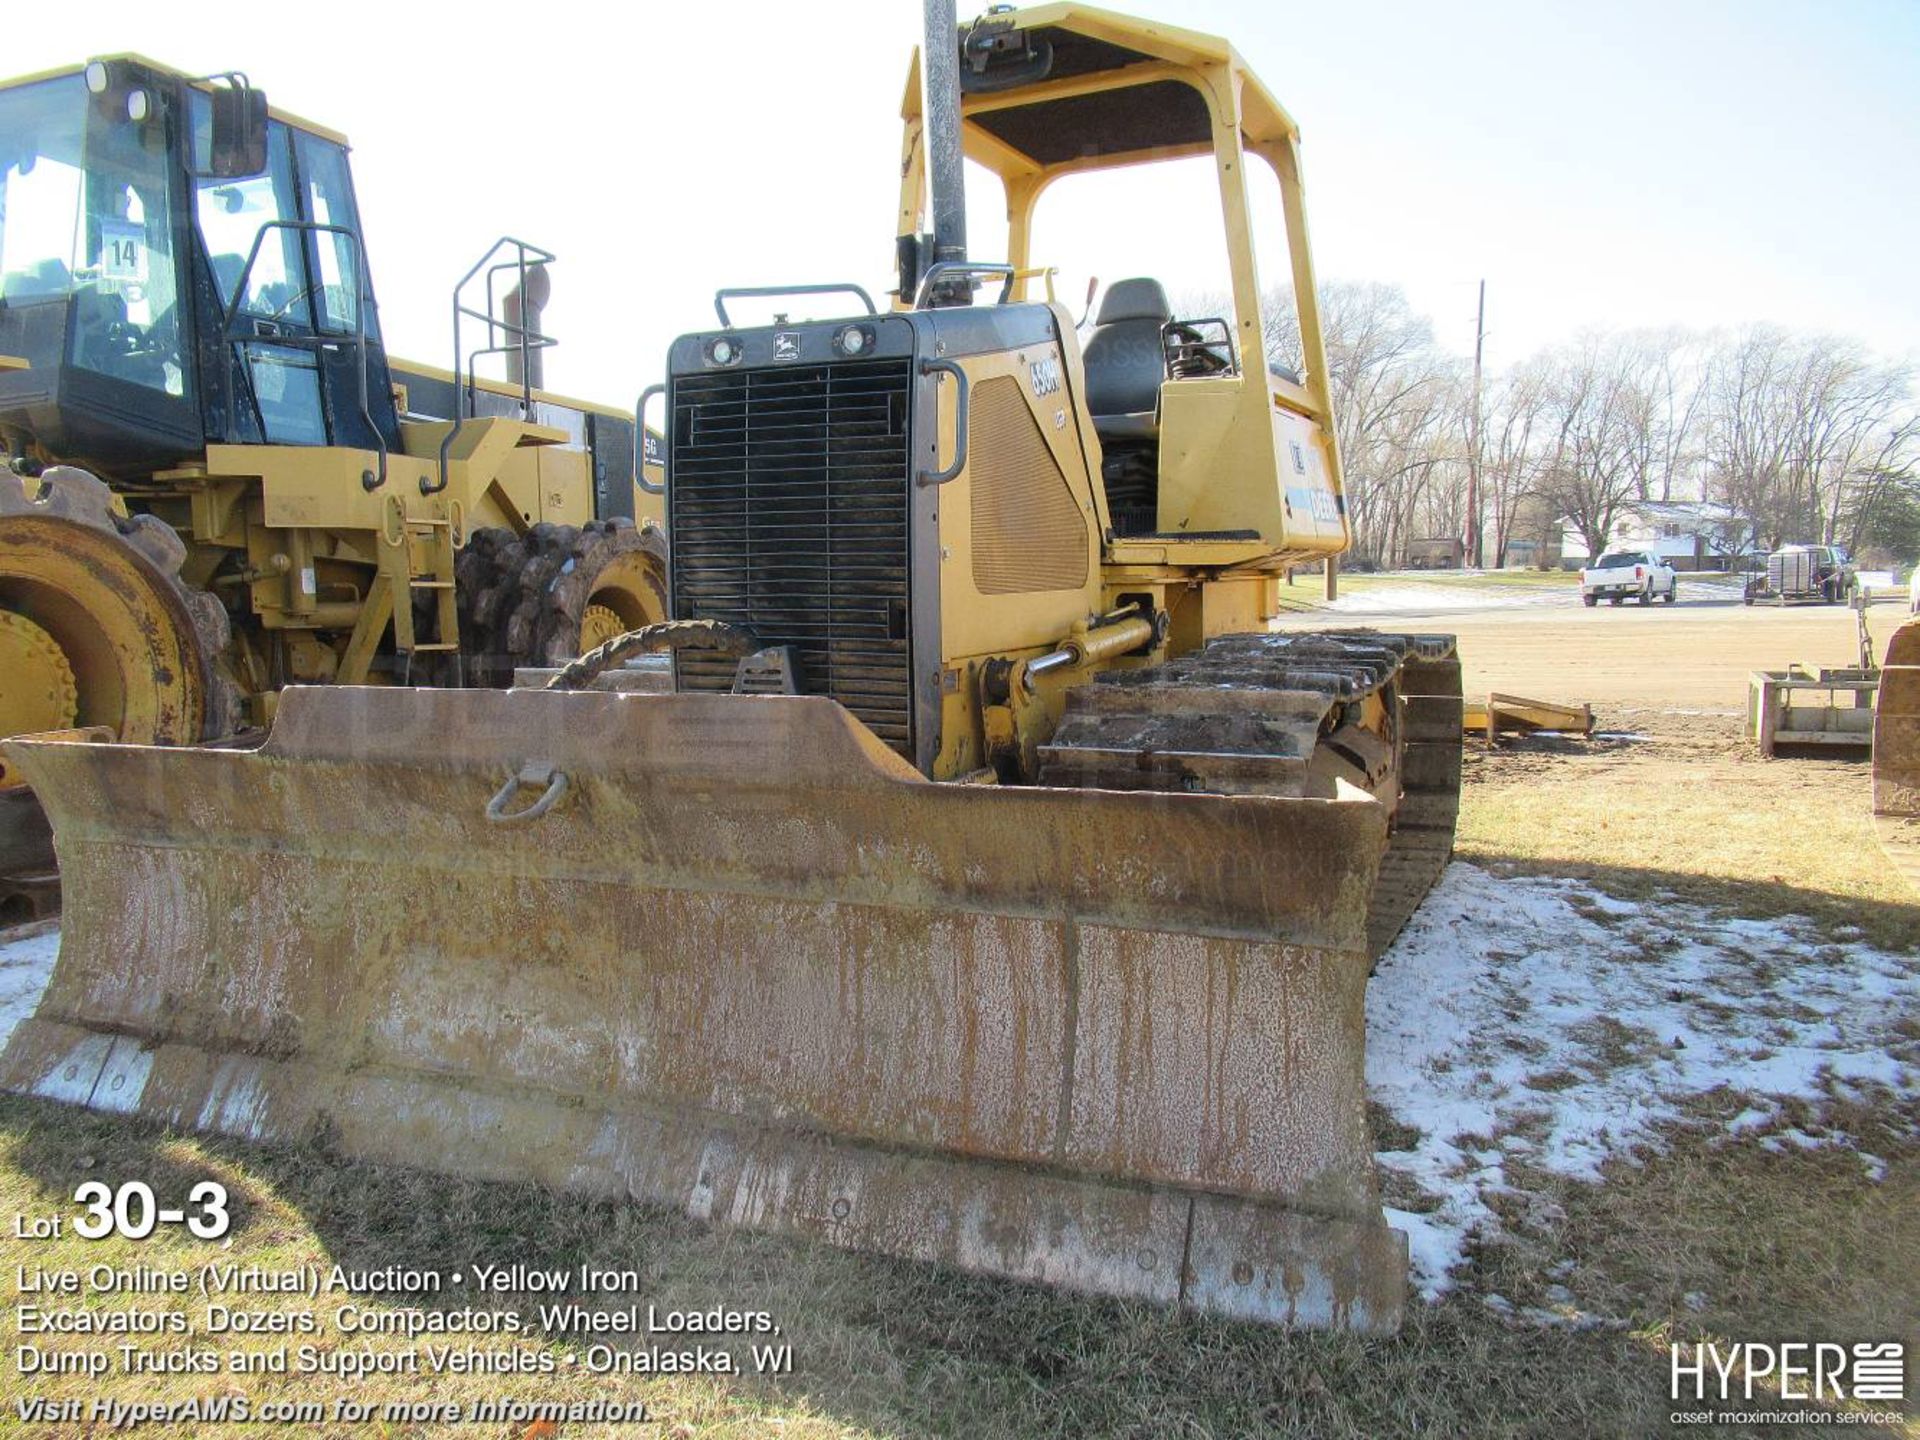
178	267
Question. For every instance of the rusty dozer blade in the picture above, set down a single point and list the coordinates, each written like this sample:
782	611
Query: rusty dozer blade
1896	753
732	955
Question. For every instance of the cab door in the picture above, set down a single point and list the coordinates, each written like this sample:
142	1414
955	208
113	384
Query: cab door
256	255
282	253
342	295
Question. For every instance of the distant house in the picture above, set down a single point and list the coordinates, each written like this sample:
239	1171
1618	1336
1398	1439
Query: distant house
1534	536
1687	534
1437	552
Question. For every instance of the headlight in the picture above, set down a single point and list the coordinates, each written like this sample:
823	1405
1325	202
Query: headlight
137	105
854	340
723	350
96	78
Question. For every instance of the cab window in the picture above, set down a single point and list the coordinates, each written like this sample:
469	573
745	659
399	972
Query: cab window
339	285
232	215
85	220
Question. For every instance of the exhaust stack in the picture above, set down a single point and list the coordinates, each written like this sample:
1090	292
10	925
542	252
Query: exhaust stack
940	72
523	307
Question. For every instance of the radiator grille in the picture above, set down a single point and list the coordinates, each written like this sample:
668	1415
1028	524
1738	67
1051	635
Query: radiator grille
789	511
1028	532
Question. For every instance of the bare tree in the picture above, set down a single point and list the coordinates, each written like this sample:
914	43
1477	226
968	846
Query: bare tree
1665	389
1510	459
1597	416
1801	437
1881	509
1795	424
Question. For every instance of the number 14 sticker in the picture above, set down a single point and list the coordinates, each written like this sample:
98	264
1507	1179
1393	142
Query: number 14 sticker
123	247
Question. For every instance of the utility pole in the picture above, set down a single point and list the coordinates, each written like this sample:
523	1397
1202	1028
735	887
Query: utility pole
1473	436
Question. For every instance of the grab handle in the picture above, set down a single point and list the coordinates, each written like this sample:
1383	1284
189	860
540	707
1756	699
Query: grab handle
941	477
762	292
640	442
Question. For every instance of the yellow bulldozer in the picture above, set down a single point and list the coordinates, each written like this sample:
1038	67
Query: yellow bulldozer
995	886
218	484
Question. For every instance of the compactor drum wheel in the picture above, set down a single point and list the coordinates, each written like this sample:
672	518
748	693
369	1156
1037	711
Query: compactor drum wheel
92	600
557	592
1896	752
96	629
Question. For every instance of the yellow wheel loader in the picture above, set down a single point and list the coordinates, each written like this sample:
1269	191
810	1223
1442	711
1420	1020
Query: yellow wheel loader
217	482
995	888
1896	752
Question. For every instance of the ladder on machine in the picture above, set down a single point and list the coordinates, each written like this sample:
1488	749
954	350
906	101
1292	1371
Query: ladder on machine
420	552
422	565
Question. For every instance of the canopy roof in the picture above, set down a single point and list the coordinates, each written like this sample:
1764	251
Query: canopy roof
1070	87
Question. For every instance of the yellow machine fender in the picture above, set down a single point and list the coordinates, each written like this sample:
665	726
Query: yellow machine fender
1896	752
731	954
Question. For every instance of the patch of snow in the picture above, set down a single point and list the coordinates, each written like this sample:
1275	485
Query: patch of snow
1433	596
1672	710
1797	1138
1538	1020
25	965
1569	1317
1711	589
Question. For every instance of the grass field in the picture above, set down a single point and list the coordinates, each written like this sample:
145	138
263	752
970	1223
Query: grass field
1709	1235
1762	1245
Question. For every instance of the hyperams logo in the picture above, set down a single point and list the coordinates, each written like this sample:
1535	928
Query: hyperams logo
1795	1370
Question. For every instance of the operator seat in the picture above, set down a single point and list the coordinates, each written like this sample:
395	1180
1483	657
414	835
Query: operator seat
1125	360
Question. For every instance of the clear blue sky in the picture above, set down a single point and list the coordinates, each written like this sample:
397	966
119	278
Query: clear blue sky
1628	163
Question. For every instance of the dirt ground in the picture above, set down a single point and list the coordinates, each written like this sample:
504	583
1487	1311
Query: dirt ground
1670	796
1629	660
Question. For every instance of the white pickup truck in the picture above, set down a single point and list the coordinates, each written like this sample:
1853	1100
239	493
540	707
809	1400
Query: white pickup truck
1622	573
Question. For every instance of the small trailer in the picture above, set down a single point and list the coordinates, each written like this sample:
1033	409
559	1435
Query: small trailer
1817	704
1821	573
1806	705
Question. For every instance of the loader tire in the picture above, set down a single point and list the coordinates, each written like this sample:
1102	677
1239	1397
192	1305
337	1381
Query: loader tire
542	598
96	629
